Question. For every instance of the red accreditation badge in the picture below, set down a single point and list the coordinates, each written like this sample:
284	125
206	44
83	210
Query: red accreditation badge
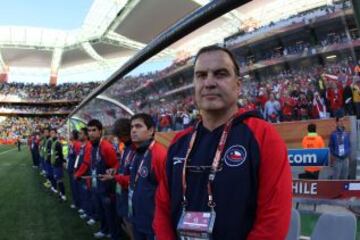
196	225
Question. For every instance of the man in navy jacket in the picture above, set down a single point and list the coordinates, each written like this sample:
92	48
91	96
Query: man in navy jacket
146	169
101	158
340	149
74	150
250	184
121	129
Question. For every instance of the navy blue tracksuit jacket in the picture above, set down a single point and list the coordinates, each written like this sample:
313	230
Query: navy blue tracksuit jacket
143	201
252	191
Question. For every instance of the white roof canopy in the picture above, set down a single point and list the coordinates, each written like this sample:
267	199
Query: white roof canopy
114	30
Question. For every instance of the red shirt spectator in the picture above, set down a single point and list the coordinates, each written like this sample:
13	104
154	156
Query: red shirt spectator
335	97
287	104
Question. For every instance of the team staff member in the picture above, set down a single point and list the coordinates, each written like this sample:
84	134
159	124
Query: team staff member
86	210
34	148
57	161
45	134
312	140
230	163
103	157
48	165
74	150
121	129
146	169
340	149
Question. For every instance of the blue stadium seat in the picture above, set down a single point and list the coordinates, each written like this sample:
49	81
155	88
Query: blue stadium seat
294	230
335	226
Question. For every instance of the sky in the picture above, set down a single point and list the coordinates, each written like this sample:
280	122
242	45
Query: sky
44	13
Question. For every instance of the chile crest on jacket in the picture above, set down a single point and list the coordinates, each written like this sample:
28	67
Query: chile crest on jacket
235	156
144	171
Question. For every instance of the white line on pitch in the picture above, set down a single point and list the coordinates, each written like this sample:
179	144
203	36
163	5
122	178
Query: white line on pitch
7	151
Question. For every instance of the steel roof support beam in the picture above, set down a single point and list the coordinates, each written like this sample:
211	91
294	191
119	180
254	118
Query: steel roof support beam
56	60
121	41
124	13
2	63
115	102
233	15
92	53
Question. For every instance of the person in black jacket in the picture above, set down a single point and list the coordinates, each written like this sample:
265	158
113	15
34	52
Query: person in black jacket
18	144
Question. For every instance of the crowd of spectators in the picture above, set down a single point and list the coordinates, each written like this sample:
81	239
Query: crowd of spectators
302	17
319	91
131	84
45	92
311	93
296	94
176	114
104	111
6	108
15	127
297	48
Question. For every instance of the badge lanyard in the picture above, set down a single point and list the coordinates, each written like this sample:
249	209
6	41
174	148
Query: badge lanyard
142	163
71	150
81	153
82	149
341	137
97	156
93	170
214	165
341	141
121	153
128	160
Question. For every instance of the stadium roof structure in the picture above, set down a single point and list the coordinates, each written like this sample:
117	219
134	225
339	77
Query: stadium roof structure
114	30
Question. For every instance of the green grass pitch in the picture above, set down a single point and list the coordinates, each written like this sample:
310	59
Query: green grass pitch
28	211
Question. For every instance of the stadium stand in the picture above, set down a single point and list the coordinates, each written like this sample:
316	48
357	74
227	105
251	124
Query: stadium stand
12	127
44	92
314	99
32	105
